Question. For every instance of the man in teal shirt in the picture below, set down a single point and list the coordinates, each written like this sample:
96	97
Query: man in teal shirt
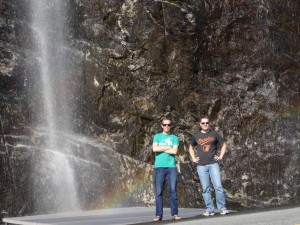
165	146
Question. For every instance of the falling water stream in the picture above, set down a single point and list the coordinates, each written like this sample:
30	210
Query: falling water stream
54	187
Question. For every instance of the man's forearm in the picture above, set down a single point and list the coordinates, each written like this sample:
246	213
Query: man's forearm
223	150
161	148
173	150
192	153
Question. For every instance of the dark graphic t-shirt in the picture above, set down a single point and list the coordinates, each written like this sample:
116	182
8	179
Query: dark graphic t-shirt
207	146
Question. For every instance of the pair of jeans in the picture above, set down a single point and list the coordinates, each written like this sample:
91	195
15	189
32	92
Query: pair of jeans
211	172
160	175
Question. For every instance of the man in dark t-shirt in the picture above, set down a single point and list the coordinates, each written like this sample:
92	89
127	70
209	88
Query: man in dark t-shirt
206	143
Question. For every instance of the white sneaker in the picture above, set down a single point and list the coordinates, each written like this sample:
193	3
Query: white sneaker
208	213
224	212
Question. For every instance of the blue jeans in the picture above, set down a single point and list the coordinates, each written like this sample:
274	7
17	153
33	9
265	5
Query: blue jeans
160	174
211	172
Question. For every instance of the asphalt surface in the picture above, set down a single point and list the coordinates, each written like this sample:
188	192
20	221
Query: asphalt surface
279	216
117	216
139	215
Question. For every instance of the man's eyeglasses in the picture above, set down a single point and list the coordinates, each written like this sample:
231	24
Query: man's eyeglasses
167	124
204	123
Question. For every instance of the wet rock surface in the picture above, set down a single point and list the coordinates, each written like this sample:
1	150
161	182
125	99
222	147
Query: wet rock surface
135	61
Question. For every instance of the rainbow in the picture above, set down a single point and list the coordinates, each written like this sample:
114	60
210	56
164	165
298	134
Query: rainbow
139	183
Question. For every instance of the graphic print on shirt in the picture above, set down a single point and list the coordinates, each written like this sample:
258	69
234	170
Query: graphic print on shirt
206	148
166	142
204	143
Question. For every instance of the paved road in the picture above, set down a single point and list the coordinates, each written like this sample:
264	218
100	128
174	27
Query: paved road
138	216
117	216
287	216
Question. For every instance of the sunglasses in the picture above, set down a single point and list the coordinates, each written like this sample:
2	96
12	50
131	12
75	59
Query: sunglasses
167	124
204	123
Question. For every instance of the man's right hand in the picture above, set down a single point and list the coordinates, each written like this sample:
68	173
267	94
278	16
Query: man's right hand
196	160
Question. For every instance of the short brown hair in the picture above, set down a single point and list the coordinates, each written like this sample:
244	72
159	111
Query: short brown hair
204	117
167	118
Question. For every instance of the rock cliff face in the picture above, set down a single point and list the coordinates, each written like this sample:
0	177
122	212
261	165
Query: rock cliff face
136	60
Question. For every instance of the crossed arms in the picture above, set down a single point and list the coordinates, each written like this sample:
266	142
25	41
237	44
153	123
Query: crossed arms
167	149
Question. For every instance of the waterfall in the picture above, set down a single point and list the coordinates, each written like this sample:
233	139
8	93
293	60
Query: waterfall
54	182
